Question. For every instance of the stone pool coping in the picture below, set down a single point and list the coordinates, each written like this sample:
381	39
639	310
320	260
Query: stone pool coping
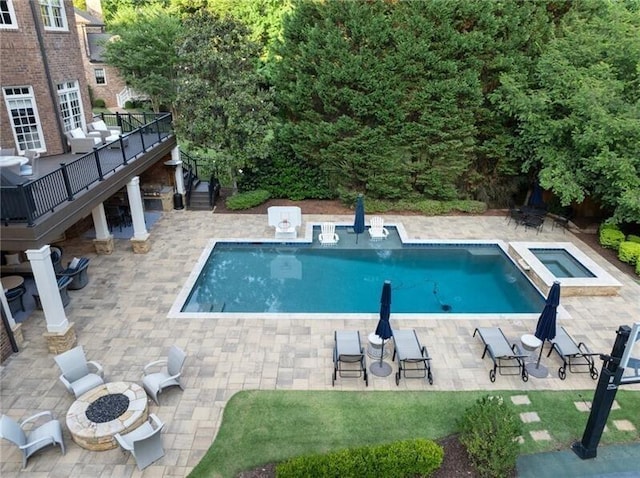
602	284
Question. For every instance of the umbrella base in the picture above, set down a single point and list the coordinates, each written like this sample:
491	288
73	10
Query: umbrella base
380	369
538	372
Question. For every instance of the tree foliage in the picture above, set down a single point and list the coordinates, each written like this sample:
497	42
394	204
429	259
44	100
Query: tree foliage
144	52
579	122
223	105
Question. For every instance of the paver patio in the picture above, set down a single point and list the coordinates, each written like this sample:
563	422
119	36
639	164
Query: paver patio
121	320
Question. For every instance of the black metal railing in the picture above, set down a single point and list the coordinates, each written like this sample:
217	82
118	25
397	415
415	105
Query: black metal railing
30	200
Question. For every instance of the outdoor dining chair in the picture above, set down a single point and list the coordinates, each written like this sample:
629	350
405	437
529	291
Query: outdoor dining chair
34	438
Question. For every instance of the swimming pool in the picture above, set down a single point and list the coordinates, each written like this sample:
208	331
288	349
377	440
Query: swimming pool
303	278
561	263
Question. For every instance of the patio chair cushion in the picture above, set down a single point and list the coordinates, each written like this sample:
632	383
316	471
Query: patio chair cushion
77	133
12	259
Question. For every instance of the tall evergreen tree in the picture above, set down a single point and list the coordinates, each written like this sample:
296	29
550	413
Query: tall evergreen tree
223	105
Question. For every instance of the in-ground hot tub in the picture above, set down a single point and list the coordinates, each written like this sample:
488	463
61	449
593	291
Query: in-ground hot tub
546	262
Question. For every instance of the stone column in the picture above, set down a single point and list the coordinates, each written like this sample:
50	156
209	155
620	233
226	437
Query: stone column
140	240
60	335
103	242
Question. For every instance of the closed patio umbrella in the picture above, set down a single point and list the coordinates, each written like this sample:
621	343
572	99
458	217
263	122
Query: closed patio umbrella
358	224
546	327
383	330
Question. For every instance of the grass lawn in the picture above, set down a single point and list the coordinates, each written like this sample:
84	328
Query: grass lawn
260	427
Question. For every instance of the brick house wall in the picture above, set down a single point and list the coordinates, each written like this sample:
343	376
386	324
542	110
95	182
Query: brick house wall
26	61
91	61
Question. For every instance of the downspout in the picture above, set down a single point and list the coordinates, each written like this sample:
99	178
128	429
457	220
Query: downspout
52	88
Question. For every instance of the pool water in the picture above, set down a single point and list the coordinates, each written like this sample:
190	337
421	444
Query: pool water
477	278
561	263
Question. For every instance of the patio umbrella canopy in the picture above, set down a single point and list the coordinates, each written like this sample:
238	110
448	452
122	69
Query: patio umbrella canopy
546	327
383	330
358	224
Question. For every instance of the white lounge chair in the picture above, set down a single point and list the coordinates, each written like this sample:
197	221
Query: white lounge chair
144	443
328	236
285	220
35	439
377	231
81	142
155	382
109	134
76	376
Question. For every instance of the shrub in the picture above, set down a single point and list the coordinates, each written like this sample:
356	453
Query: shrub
99	103
489	430
407	458
247	200
611	238
629	252
128	105
633	238
638	268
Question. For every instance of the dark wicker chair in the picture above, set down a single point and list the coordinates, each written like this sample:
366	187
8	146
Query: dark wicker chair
16	296
79	274
63	284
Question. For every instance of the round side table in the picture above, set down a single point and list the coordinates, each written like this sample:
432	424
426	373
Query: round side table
531	343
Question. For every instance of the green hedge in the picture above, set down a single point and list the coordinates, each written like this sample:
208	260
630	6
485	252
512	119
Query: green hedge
99	103
629	252
489	430
427	207
633	238
610	236
407	458
247	200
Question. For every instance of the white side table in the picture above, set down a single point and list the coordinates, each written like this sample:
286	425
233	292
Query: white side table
375	347
531	343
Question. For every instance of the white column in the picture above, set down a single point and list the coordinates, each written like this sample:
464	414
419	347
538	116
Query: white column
179	174
100	223
137	211
7	310
47	285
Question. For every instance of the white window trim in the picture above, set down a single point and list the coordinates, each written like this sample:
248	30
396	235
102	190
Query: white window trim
14	20
104	76
31	96
63	15
65	91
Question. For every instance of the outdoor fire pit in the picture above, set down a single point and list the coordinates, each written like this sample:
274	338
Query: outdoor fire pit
95	417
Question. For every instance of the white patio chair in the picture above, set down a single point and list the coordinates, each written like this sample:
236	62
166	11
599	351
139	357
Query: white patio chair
286	220
76	376
35	439
377	230
29	168
108	133
81	142
328	236
144	443
155	382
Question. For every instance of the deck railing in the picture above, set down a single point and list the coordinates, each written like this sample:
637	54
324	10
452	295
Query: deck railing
30	200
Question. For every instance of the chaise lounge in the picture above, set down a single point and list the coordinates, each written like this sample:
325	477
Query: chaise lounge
413	357
573	355
502	353
348	356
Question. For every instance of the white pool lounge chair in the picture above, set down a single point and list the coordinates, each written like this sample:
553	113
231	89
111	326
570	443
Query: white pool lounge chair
573	355
377	231
348	356
285	220
502	353
328	236
413	357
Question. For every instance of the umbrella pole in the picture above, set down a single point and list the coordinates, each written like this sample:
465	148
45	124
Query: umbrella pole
540	355
381	352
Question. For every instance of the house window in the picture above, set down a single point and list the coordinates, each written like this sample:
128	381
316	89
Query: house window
53	15
101	77
70	105
21	106
7	15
